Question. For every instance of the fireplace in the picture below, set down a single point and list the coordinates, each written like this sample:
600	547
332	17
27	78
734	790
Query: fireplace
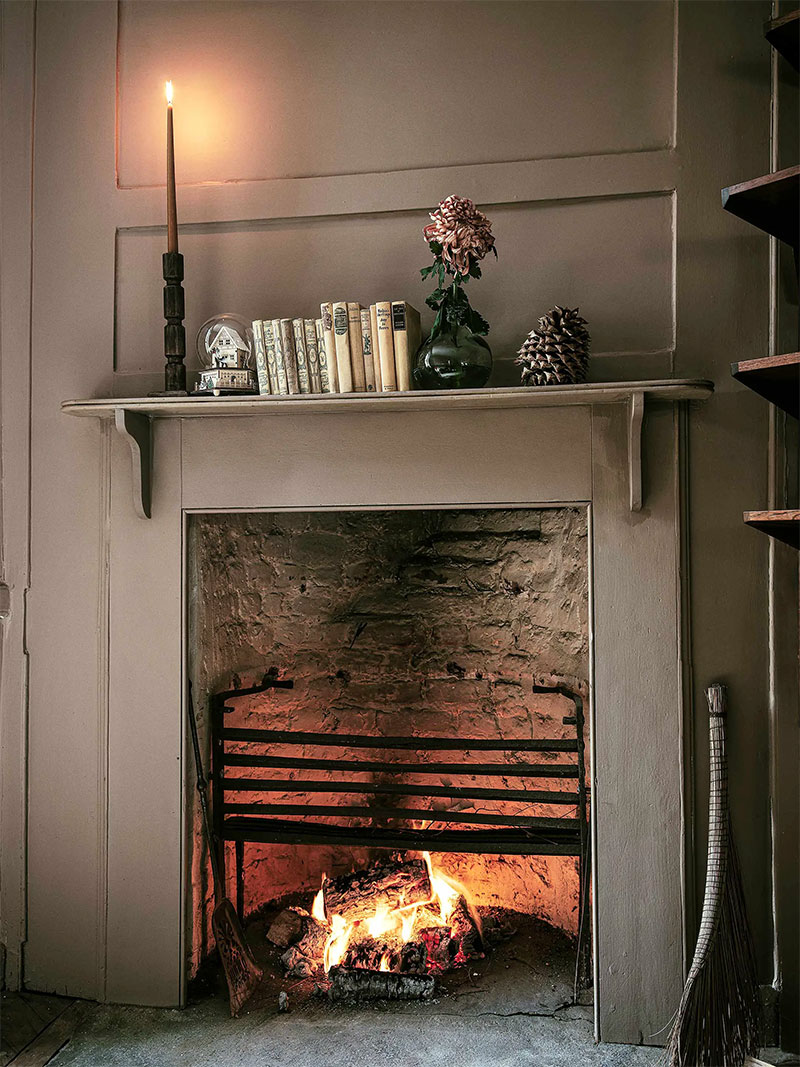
501	450
421	710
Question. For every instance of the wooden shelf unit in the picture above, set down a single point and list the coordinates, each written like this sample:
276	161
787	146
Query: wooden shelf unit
776	378
782	525
771	202
784	35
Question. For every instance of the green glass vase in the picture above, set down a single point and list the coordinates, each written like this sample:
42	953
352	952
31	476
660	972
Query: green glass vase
454	360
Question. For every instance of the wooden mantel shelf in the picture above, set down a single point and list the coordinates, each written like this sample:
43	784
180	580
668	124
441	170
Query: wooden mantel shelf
133	415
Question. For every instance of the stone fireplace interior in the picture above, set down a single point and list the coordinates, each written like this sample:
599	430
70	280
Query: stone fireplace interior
434	623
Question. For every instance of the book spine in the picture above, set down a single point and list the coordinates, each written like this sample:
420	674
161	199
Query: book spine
342	341
289	358
366	348
356	347
312	355
261	359
299	333
406	335
324	374
269	353
383	313
376	356
280	361
326	314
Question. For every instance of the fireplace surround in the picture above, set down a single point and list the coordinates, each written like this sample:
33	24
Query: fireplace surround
349	458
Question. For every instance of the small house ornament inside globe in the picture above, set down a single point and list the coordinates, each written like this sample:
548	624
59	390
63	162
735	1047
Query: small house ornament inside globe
225	348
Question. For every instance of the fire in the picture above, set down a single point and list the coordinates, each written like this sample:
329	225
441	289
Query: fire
318	907
338	940
381	922
168	93
398	926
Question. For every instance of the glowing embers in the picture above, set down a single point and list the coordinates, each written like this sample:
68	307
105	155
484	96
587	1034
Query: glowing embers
398	918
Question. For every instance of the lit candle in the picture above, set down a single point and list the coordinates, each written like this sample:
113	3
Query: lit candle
172	209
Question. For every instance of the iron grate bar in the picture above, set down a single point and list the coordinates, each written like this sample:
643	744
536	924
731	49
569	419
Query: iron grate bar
501	770
532	822
293	785
466	744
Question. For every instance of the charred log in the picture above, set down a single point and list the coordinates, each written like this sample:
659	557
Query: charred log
384	887
358	985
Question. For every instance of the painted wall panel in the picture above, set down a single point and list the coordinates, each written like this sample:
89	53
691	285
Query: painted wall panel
299	89
611	256
392	458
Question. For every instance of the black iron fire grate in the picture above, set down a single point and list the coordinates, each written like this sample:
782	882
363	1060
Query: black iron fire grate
390	824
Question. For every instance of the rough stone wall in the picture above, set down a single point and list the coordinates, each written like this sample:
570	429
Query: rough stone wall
395	622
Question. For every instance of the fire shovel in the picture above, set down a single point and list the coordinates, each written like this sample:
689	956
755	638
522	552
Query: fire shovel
242	973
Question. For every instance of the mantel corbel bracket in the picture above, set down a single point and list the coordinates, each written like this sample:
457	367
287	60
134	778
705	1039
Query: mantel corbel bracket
635	418
138	430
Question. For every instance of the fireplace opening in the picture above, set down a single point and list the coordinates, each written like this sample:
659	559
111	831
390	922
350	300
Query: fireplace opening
393	708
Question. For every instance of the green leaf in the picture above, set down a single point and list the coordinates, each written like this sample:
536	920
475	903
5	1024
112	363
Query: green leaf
427	271
435	247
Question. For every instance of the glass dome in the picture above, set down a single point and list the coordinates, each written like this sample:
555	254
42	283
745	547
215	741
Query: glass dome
225	341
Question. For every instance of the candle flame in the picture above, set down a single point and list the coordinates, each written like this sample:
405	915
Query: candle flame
168	91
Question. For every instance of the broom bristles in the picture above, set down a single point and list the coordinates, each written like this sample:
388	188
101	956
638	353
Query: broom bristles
719	1018
718	1023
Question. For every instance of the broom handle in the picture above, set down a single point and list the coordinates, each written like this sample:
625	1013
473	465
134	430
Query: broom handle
718	825
202	789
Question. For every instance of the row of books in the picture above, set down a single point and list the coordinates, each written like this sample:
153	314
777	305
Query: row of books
349	349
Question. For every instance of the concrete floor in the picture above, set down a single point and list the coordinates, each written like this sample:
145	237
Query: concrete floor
451	1035
512	1009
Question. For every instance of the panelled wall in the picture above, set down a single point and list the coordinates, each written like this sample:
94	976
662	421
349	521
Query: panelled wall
311	140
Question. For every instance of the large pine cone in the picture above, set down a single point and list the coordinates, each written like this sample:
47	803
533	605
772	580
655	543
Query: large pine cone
557	351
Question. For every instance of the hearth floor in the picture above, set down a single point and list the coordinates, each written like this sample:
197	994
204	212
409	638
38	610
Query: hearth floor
511	1010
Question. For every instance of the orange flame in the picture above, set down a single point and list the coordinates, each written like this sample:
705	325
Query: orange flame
168	92
400	924
318	907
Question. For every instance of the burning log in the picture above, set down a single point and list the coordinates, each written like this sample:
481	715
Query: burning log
358	985
315	934
385	887
453	944
370	953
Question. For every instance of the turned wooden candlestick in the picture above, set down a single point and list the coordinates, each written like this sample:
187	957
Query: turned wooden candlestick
174	333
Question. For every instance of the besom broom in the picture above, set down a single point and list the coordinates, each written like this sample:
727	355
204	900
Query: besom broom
242	973
719	1019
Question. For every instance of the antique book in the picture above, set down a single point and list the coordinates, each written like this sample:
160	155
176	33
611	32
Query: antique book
303	376
407	335
262	370
376	356
326	314
324	371
383	313
366	348
356	347
280	359
269	350
341	339
289	358
312	356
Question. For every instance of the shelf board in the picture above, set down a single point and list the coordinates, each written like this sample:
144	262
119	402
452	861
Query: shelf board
374	403
782	525
772	203
784	35
776	378
133	416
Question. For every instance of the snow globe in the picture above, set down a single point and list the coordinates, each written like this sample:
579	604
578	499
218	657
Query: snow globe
225	348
